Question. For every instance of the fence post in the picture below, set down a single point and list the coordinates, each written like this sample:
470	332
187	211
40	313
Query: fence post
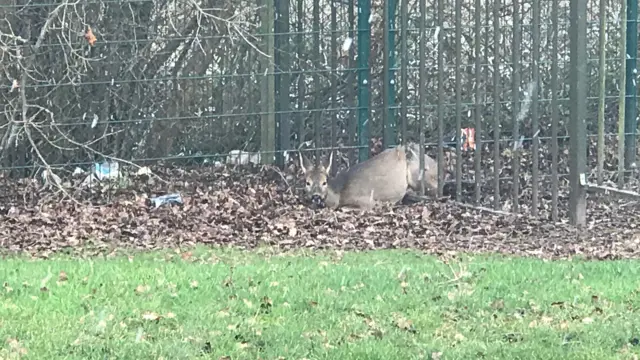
267	93
458	95
421	90
515	104
364	47
282	80
388	97
404	57
317	103
578	95
630	101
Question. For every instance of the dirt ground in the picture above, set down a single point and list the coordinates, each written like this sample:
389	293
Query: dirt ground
261	206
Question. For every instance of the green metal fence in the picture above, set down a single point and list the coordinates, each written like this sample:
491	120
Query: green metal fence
191	81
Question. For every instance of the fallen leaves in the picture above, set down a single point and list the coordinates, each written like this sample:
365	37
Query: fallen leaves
403	323
498	304
246	208
15	348
150	316
141	289
587	320
247	303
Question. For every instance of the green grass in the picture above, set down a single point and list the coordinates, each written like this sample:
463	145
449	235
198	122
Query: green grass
222	304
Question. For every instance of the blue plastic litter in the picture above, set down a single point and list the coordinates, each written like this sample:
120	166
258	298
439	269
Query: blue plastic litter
166	199
106	170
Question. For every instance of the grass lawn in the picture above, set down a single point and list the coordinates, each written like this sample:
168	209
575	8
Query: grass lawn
224	304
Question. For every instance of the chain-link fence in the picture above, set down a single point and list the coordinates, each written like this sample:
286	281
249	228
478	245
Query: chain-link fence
184	81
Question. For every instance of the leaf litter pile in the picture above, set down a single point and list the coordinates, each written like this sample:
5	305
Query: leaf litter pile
253	206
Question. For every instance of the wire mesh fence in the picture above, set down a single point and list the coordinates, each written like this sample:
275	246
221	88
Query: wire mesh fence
184	82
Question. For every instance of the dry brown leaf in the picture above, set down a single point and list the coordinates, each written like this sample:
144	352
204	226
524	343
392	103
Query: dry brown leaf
248	303
405	324
498	304
141	289
587	320
150	316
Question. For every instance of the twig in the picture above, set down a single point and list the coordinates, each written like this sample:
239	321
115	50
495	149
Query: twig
610	190
114	158
279	172
418	198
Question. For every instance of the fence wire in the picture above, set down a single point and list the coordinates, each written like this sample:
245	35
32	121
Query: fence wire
191	82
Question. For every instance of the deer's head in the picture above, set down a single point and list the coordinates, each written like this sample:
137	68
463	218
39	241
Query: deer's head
316	177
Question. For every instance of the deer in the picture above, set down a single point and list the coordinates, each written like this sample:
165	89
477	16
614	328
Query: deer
430	173
379	179
413	170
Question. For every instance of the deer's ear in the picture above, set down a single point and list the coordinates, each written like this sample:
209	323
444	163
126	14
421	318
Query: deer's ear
305	164
328	168
302	161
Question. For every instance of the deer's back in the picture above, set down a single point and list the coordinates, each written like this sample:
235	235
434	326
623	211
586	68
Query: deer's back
385	175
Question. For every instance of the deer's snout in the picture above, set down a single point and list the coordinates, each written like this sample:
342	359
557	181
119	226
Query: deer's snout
317	200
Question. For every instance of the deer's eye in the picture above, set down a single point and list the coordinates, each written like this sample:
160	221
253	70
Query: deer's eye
324	183
308	183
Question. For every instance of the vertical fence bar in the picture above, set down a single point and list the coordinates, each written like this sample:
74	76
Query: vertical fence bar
458	22
440	106
621	96
404	58
301	77
285	79
351	86
631	95
317	113
277	78
487	41
252	108
334	77
578	96
364	47
602	81
515	105
535	177
421	88
388	88
496	104
267	97
554	110
478	102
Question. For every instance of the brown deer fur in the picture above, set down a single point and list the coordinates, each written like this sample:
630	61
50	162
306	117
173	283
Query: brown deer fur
382	178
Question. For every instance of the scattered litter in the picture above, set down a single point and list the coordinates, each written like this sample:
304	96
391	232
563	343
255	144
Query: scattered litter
107	170
48	175
143	171
246	207
78	171
467	139
346	45
166	199
239	157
